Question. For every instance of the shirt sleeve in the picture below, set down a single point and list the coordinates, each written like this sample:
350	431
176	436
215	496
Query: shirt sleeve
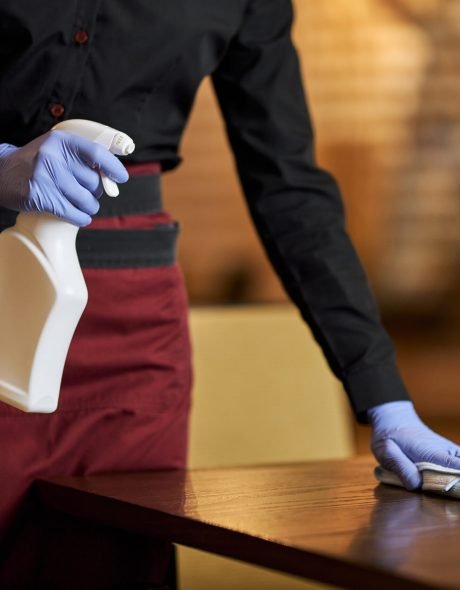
297	207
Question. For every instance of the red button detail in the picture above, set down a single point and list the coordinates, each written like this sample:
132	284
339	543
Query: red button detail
81	37
56	109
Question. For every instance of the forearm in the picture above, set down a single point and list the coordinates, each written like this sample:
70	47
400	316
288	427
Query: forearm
297	207
306	241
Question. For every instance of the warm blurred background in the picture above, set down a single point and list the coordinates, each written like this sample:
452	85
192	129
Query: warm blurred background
382	78
383	83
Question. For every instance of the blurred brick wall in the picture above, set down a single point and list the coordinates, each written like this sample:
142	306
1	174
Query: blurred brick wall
420	262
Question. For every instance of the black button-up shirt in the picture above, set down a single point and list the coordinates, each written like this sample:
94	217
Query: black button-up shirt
136	65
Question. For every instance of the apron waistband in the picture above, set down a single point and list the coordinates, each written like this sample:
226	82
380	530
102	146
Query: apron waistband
141	194
128	248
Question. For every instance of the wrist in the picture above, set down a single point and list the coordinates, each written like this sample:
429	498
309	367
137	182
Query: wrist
403	410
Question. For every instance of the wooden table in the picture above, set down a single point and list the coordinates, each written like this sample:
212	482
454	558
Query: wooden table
326	521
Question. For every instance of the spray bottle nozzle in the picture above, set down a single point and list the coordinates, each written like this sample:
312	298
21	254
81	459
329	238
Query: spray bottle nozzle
122	144
115	141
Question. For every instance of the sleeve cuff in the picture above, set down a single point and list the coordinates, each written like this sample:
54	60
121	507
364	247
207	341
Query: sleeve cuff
373	386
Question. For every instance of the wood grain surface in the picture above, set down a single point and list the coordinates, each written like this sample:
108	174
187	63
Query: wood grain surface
328	521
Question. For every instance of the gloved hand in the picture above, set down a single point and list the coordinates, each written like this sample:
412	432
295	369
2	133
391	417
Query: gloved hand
400	439
58	173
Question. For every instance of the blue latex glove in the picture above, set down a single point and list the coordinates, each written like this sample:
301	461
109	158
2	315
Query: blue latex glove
58	173
400	439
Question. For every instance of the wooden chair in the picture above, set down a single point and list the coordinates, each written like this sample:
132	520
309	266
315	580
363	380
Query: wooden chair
263	394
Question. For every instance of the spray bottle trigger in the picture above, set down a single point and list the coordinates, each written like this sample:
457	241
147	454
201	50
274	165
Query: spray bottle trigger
110	187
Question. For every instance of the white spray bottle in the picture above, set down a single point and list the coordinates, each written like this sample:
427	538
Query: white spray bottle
43	292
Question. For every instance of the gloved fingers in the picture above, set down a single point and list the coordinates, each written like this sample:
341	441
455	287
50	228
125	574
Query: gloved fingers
96	156
78	196
59	206
452	448
424	445
392	458
89	179
72	215
55	189
449	457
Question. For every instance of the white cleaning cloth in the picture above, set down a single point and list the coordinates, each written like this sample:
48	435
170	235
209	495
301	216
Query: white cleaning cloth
437	479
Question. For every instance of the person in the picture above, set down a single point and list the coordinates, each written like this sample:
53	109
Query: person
125	396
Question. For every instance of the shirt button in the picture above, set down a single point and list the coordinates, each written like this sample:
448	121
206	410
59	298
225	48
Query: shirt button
56	109
81	37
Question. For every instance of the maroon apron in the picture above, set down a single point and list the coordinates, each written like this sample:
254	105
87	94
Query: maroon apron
124	402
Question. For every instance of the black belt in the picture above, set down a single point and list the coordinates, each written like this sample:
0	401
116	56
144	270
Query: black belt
141	194
124	248
127	248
